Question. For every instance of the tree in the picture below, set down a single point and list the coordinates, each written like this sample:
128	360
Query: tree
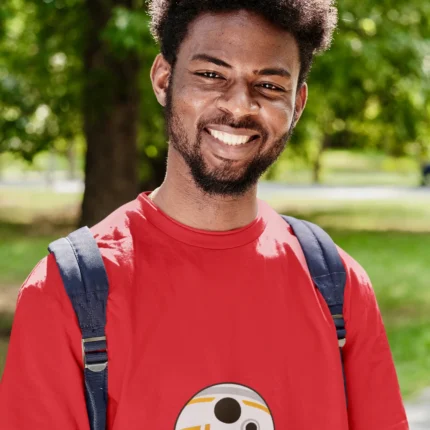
111	112
372	89
73	70
85	78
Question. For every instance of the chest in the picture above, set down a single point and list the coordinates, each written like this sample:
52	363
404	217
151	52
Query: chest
259	334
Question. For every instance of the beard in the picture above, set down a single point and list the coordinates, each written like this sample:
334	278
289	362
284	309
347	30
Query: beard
224	181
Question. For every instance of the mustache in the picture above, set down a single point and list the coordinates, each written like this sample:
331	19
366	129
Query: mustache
230	121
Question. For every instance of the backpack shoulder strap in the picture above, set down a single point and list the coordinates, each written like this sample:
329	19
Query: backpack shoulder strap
85	281
326	269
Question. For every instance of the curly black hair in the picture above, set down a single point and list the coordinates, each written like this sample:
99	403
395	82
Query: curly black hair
311	22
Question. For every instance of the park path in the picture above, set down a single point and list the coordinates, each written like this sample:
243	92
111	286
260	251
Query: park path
418	412
266	190
275	191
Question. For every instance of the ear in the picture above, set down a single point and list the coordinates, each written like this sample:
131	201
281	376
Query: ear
301	99
160	77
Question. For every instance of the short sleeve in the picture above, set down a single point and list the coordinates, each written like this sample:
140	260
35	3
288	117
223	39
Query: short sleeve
42	384
374	399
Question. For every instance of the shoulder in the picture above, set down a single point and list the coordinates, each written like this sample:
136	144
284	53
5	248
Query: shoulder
356	274
361	308
360	304
116	230
114	237
41	295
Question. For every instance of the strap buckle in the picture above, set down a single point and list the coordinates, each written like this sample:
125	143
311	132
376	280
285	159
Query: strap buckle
340	329
94	353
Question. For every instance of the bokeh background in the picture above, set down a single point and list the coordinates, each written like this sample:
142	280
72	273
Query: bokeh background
81	133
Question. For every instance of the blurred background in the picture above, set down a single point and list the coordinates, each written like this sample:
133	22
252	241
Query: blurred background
81	133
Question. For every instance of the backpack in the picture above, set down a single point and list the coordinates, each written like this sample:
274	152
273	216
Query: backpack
86	283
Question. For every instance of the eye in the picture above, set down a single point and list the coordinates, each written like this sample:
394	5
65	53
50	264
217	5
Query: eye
228	411
210	75
271	87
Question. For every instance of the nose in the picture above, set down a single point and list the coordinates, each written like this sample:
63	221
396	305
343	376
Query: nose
238	101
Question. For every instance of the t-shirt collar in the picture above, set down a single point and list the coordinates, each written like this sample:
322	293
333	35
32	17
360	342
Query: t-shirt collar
201	238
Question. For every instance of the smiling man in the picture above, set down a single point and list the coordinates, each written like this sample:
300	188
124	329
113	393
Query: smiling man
213	319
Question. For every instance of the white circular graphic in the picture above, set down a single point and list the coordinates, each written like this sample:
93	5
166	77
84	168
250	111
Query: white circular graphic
226	407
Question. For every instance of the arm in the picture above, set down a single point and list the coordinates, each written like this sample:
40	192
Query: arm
42	385
374	400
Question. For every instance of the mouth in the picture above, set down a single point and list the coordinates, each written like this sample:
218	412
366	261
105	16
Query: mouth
231	139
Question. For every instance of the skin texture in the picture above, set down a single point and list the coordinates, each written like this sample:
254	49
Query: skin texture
237	98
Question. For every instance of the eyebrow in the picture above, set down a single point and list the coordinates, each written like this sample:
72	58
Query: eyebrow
210	59
270	71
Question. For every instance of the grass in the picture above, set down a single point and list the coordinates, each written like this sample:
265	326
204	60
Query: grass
5	326
19	252
409	214
3	351
378	236
399	270
390	239
40	207
29	221
344	167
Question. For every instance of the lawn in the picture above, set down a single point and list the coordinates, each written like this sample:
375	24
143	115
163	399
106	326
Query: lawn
29	221
397	265
390	239
345	167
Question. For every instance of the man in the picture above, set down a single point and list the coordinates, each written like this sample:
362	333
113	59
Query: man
210	294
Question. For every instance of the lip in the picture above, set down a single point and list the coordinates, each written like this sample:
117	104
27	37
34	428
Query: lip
233	131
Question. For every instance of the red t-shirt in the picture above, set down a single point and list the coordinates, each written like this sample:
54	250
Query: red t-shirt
205	331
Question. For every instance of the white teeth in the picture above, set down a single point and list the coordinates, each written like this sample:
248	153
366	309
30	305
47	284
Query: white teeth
229	139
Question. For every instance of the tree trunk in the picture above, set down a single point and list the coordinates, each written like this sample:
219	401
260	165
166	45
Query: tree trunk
317	167
158	171
111	102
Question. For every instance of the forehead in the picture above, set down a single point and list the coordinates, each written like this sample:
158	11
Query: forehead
241	36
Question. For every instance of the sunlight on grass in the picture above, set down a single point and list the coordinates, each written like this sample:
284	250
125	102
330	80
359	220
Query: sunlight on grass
345	167
408	214
397	264
410	345
26	205
18	255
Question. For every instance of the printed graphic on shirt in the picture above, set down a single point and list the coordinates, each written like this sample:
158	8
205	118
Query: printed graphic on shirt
226	406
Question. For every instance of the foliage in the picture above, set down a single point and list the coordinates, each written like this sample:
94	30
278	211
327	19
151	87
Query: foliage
128	31
40	75
371	90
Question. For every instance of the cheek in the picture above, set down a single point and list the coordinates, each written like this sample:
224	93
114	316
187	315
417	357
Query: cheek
190	103
279	119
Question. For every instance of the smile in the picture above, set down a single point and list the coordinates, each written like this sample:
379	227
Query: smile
231	139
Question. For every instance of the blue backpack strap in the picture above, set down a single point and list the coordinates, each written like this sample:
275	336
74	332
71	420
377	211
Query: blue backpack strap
327	272
86	283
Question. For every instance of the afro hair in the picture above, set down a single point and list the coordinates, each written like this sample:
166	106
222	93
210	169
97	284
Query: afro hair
311	22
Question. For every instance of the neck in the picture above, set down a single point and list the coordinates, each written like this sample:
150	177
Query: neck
181	199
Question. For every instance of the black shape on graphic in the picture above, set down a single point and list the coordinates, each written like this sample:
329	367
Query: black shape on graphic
228	410
251	426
